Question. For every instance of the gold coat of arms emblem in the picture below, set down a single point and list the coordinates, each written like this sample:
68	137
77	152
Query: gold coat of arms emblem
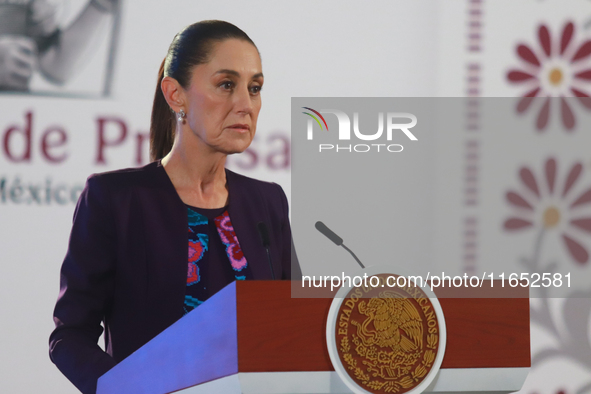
387	338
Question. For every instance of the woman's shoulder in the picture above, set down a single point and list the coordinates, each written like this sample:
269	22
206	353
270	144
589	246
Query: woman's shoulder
127	180
243	181
271	193
127	176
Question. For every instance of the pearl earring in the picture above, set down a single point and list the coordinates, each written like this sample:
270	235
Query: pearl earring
181	116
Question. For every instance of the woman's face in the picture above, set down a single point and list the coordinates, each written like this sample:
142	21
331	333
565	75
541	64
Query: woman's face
224	99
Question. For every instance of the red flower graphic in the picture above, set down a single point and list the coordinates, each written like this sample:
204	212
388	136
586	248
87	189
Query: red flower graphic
557	69
195	250
235	252
551	208
193	274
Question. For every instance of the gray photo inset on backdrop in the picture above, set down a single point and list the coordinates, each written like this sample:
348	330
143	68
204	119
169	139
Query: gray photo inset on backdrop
471	189
58	47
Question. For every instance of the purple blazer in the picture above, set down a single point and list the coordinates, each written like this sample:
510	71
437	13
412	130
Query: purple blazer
126	264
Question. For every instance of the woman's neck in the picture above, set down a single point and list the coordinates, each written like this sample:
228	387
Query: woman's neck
198	175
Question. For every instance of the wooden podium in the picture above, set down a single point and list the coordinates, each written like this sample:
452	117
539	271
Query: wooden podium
252	337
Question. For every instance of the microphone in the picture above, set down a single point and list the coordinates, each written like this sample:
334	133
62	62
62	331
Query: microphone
328	233
265	240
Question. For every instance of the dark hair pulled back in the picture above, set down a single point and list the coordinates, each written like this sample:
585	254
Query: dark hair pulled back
190	47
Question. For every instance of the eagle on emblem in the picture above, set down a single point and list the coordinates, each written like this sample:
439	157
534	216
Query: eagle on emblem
394	326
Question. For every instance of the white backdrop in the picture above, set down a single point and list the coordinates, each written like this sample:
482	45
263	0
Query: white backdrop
309	48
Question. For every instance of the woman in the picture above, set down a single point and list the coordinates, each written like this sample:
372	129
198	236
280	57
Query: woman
127	263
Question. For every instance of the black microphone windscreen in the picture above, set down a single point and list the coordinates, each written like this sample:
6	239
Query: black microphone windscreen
328	233
264	234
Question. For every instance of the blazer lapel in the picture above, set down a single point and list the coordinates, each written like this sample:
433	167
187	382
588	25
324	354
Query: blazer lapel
246	210
169	243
